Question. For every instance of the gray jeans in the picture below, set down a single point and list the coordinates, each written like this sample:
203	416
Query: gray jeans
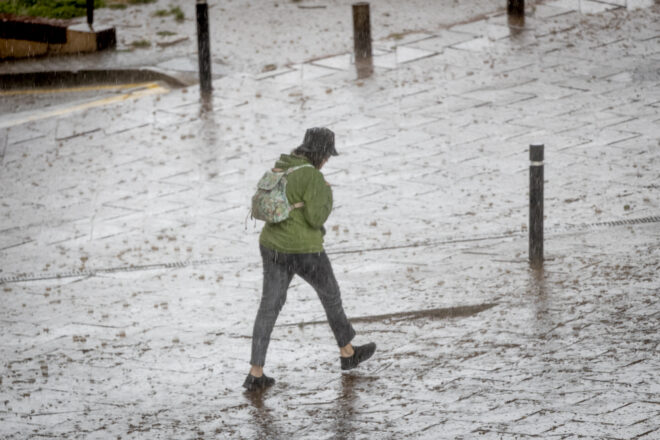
279	269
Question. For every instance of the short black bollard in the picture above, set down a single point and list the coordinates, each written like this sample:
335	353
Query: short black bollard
515	8
516	16
90	13
204	49
536	206
362	39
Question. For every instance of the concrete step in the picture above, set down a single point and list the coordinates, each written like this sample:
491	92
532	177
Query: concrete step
23	37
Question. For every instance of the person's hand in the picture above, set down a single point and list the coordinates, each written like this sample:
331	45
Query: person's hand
323	230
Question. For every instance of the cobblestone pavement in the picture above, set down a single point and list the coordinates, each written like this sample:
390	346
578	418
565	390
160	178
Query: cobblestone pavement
130	275
149	34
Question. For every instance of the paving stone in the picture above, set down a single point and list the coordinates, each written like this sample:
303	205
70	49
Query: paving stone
585	7
141	276
439	43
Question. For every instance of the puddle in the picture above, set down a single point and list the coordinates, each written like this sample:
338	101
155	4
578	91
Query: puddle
441	313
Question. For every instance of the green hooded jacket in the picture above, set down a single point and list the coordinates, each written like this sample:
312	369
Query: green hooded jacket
302	232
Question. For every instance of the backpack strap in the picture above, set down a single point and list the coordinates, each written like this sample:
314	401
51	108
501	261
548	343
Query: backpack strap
292	169
289	171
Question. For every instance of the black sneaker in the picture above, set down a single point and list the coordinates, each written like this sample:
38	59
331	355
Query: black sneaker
253	383
362	353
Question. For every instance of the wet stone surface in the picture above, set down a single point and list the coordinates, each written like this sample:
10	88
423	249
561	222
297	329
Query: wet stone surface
130	279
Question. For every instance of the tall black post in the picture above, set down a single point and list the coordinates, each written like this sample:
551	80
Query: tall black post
536	206
90	13
362	39
515	15
204	49
515	7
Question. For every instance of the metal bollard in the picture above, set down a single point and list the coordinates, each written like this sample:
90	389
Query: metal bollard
515	8
90	13
536	206
362	39
204	49
516	16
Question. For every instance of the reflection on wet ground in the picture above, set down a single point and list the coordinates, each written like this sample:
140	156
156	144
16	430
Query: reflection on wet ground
538	296
351	387
261	415
516	24
264	418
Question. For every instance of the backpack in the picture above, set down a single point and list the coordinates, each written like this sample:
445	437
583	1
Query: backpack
269	202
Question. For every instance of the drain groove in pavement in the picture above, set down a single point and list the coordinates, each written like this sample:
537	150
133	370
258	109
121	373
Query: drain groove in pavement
554	230
133	268
25	277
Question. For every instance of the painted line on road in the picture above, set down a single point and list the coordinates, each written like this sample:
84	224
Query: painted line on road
27	277
149	89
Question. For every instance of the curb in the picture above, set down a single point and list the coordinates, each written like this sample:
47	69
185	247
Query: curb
9	81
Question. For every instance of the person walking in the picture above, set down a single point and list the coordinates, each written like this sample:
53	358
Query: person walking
295	247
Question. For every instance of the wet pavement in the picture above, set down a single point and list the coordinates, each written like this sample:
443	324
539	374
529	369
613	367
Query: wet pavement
130	275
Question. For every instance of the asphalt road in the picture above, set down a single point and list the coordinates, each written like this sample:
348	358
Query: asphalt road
19	106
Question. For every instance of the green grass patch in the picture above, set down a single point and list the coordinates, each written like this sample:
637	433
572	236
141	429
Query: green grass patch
178	13
397	36
123	4
48	8
141	44
165	33
174	11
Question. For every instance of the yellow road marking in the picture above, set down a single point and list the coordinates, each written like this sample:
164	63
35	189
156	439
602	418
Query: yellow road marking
150	89
73	89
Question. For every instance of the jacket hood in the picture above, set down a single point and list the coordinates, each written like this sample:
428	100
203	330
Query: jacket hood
287	161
